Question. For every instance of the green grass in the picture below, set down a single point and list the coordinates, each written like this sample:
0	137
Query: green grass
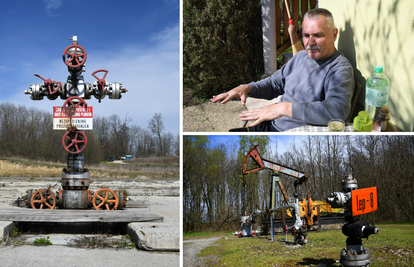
187	236
393	246
42	241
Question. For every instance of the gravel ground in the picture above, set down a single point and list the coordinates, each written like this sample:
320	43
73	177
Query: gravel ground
192	247
212	117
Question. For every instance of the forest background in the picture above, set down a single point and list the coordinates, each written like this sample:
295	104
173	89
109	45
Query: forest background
213	180
28	133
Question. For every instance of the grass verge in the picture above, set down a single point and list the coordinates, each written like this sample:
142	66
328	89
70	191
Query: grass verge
187	236
393	246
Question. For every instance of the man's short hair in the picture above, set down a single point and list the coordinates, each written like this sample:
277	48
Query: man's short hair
316	12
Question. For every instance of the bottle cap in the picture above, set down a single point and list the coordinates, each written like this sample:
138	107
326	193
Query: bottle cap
378	69
362	122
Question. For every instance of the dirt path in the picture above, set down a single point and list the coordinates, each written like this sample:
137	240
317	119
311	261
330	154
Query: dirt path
193	247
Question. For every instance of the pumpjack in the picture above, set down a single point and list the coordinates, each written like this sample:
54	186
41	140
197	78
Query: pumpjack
301	222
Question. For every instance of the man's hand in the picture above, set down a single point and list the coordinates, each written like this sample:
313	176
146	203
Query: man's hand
240	91
267	113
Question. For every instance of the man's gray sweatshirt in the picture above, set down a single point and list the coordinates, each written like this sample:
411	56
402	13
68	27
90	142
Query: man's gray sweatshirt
318	90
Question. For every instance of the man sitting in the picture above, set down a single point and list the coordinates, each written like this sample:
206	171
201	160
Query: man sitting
316	84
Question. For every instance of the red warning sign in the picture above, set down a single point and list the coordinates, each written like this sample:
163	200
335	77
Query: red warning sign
364	201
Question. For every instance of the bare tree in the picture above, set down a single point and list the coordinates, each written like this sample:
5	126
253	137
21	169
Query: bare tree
156	126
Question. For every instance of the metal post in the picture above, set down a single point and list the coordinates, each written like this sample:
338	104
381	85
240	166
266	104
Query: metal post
275	177
318	209
271	224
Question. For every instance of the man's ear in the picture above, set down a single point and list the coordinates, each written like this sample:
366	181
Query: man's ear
335	34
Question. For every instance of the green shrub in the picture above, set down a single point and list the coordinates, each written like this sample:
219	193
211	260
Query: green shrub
222	45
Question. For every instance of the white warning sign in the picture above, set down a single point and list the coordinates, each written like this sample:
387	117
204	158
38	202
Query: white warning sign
82	119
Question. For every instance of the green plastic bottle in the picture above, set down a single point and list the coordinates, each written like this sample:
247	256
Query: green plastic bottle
376	93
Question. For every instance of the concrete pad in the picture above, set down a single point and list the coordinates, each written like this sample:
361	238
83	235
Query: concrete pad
6	229
159	236
52	256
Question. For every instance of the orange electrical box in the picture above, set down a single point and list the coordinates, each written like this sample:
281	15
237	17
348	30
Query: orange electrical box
364	201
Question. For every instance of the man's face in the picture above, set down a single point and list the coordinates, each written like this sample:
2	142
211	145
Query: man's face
318	38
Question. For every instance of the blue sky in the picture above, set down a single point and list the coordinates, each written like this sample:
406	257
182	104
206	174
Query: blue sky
282	140
136	41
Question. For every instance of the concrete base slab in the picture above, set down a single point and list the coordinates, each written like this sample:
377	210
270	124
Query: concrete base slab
52	256
6	229
159	237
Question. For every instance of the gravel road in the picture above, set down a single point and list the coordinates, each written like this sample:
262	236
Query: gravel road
193	247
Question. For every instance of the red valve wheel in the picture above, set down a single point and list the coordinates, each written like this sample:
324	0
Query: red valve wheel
74	141
101	82
48	83
70	106
73	58
43	198
105	199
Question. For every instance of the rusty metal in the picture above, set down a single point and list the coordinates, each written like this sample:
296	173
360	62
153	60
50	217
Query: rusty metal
59	198
75	199
122	198
105	199
283	191
89	200
261	164
43	198
267	164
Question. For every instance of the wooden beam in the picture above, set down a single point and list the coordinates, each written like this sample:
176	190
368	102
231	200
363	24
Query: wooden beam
73	216
295	13
285	24
283	47
304	7
278	24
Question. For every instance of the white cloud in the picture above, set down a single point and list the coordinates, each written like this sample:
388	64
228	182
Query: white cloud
51	6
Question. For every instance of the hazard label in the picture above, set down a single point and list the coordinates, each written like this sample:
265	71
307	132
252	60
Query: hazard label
364	201
81	119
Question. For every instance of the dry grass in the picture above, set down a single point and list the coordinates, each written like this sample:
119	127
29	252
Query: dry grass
157	168
14	169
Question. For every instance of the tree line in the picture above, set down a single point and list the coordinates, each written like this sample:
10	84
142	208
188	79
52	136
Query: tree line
214	196
28	132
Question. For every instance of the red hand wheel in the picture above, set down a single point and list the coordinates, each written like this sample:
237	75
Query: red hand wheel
101	82
74	60
48	83
74	141
70	106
